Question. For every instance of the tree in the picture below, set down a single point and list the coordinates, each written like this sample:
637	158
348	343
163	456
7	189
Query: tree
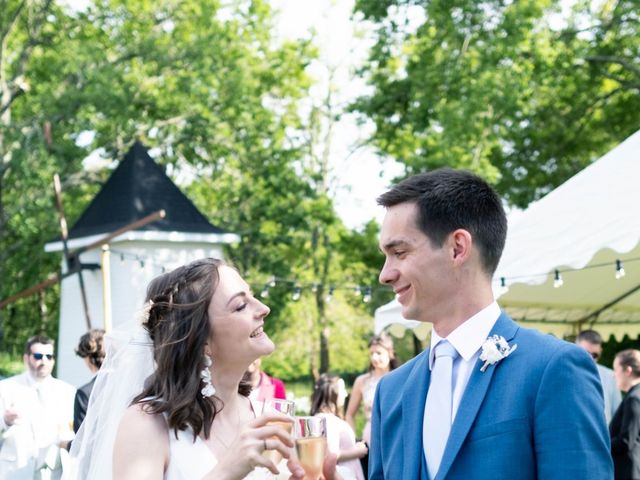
204	84
502	88
218	100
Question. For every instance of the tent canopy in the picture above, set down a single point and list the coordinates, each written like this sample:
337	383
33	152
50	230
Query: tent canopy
581	229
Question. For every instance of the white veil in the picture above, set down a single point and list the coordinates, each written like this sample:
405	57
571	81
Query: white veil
128	363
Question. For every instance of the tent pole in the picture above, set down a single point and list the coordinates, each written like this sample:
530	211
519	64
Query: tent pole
597	312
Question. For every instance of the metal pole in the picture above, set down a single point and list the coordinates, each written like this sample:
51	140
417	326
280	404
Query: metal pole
106	286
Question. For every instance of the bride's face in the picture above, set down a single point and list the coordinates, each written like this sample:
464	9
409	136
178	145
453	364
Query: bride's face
237	318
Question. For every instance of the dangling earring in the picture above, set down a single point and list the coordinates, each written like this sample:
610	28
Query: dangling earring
205	374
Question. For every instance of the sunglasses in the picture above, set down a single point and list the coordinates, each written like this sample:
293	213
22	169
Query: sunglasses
40	356
594	355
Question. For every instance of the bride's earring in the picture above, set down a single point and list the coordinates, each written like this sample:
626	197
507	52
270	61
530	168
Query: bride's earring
205	374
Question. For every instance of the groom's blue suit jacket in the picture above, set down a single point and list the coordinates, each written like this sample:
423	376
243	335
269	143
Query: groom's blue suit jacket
537	414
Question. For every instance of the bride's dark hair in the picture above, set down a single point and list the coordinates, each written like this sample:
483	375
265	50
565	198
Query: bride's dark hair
178	324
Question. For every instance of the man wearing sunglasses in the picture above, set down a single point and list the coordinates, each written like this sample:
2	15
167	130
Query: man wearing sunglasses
591	341
36	416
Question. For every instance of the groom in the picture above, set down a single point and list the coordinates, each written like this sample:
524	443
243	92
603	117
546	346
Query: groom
468	408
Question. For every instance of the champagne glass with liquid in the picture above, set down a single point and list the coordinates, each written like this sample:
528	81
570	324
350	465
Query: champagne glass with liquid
286	407
311	445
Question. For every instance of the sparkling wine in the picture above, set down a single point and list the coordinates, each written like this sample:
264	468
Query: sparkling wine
274	455
311	454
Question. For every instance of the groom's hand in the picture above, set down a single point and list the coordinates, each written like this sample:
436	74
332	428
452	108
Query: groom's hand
328	469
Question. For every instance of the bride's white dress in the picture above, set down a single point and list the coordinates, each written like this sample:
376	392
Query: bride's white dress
189	460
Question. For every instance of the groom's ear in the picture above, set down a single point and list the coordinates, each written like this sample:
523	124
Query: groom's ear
461	243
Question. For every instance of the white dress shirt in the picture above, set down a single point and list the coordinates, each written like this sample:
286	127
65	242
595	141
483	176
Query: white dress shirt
467	339
45	410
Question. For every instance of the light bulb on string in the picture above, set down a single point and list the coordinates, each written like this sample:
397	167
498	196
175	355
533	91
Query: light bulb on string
503	286
357	291
297	292
619	270
557	279
265	292
329	296
366	298
314	288
272	282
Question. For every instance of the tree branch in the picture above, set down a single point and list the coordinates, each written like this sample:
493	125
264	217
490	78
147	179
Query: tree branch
618	60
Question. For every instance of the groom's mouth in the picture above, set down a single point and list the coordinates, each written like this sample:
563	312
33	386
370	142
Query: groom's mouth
401	292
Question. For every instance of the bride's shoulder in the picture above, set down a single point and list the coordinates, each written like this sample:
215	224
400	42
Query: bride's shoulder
138	419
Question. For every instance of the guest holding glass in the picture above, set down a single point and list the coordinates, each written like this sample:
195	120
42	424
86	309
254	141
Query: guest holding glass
329	395
625	425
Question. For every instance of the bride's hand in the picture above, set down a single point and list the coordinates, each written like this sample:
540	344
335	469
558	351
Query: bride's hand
256	436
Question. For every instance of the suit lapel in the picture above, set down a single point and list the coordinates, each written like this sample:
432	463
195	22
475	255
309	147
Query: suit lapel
413	399
472	398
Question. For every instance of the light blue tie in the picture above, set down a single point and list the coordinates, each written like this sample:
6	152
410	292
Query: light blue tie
438	407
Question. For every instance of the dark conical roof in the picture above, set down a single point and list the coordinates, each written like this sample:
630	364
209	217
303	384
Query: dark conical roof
135	189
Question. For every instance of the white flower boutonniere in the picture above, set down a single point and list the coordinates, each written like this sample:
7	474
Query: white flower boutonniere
494	349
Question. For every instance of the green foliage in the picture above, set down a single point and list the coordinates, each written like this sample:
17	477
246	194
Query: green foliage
10	365
503	88
296	342
205	85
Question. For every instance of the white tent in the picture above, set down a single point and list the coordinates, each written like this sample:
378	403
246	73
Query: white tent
581	229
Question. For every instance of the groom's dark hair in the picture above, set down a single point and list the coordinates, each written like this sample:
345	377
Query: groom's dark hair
449	199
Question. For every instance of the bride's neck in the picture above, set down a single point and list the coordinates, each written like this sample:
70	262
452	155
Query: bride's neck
226	384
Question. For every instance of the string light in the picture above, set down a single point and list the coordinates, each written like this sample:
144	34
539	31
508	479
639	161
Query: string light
619	270
366	298
366	291
329	296
557	279
503	286
297	292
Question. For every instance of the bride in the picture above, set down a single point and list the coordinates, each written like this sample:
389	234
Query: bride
172	403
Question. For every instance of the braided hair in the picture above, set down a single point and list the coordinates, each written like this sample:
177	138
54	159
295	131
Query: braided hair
179	327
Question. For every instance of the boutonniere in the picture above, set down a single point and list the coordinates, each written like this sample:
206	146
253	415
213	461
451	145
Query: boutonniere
494	349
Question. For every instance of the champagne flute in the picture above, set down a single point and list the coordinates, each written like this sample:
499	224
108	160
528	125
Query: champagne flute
286	407
311	445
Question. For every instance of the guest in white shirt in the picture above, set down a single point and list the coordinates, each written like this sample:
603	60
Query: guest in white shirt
36	416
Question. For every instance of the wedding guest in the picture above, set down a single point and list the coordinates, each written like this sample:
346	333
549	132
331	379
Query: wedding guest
91	349
327	400
263	386
488	399
171	402
591	341
625	425
382	360
36	414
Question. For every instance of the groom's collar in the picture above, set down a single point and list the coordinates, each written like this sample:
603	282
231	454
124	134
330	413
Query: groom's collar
470	335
